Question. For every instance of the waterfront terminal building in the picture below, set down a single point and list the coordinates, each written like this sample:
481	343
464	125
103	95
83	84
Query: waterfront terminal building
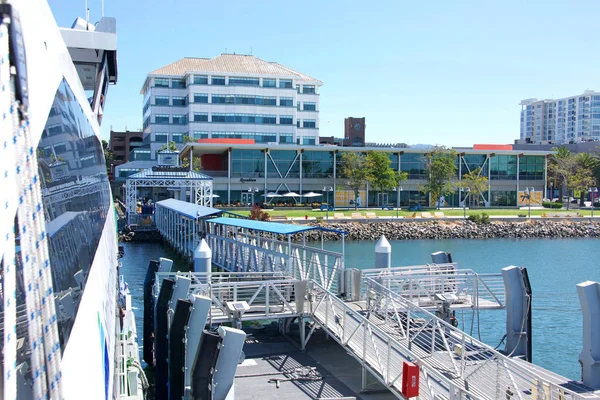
246	173
231	96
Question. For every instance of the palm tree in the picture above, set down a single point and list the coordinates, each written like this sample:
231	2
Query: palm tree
591	163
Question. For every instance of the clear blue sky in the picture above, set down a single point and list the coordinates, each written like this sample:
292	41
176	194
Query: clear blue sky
437	72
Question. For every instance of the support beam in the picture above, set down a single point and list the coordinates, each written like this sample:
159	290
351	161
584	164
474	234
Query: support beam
589	298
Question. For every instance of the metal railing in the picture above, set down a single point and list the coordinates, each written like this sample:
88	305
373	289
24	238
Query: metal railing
249	253
486	372
422	285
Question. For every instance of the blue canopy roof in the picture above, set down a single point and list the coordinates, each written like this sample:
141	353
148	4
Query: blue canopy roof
272	227
190	210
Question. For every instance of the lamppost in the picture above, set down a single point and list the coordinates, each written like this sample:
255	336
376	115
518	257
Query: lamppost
397	190
528	193
468	191
327	189
592	190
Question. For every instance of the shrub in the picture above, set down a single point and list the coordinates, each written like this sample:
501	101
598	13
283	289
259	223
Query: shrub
319	219
485	219
549	204
258	214
475	218
597	204
522	215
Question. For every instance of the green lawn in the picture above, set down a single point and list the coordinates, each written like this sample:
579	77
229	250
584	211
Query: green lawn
447	212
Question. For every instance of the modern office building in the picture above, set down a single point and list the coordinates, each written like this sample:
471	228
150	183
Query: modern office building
572	119
231	96
354	134
250	173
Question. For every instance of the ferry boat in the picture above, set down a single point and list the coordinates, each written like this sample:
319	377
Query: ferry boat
68	328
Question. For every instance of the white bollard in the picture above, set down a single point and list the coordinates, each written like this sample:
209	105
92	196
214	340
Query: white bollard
203	260
383	253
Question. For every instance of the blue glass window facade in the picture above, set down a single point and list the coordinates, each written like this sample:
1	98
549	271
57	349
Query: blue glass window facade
309	123
161	137
415	165
200	117
271	83
247	163
200	135
161	119
317	164
310	106
285	84
308	89
286	120
470	162
284	160
161	100
201	98
200	80
309	141
531	168
179	101
286	138
245	118
161	82
257	136
178	83
286	102
244	99
217	80
503	167
179	119
238	81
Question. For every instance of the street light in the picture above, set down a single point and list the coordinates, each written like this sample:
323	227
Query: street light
592	190
528	193
327	189
468	190
397	190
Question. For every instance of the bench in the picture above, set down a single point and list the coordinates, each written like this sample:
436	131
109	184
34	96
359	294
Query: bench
371	215
339	216
564	214
439	214
278	218
426	214
357	215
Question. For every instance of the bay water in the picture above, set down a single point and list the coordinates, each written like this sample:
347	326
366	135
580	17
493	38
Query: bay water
555	266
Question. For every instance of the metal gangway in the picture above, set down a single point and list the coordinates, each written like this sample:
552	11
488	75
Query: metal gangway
383	329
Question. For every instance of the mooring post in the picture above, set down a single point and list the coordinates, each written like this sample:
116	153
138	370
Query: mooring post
203	261
383	253
518	312
589	298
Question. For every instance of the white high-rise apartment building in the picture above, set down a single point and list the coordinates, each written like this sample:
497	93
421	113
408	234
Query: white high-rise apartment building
231	96
568	120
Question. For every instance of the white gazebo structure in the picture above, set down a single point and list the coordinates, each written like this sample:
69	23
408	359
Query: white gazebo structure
190	186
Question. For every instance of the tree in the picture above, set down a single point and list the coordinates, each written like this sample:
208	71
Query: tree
185	163
354	169
379	173
571	171
169	146
441	169
108	155
591	164
474	183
